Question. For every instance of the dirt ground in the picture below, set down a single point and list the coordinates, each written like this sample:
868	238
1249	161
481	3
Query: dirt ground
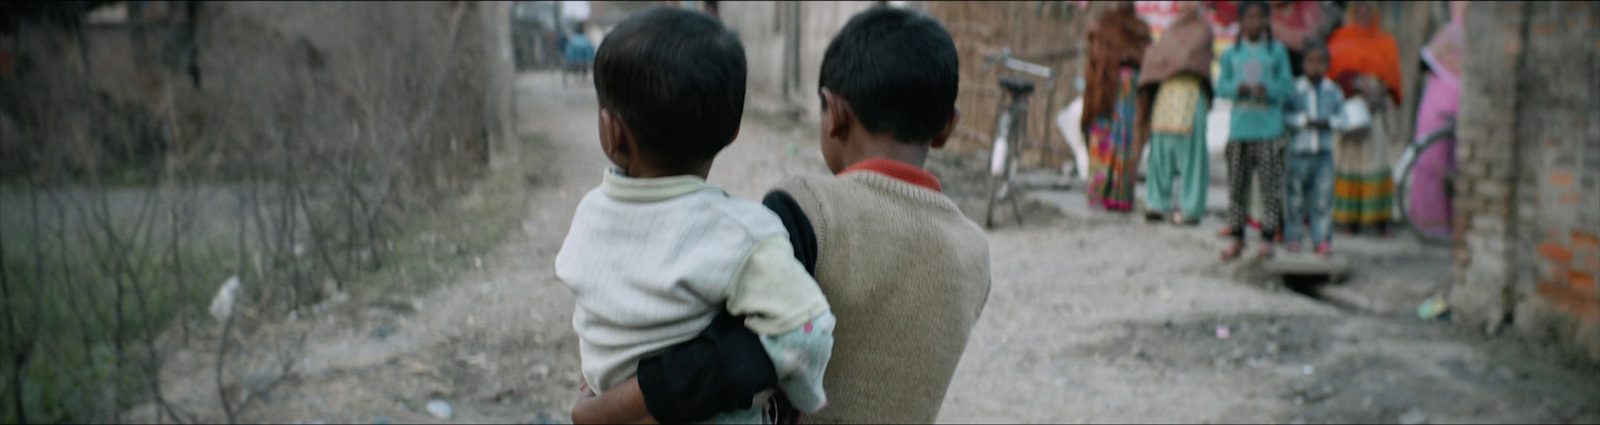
1089	320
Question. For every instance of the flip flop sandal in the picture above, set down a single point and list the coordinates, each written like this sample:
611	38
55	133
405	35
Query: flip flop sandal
1232	252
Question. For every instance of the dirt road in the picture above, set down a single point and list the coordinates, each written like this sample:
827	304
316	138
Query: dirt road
1089	321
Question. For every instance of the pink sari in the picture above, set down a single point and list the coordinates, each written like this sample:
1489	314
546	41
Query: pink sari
1441	100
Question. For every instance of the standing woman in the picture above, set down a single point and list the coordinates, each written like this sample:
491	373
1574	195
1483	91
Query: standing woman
1178	70
1441	101
1110	105
1365	61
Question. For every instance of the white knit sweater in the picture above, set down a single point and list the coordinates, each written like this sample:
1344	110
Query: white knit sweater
652	261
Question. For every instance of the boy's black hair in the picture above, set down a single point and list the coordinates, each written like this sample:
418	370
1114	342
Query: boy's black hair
676	78
899	71
1315	46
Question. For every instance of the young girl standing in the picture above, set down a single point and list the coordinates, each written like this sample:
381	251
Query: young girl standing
1255	74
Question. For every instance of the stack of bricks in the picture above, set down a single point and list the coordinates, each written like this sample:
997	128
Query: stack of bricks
1527	210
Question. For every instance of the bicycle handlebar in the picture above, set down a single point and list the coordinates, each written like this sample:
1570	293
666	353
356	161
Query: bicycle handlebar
1004	58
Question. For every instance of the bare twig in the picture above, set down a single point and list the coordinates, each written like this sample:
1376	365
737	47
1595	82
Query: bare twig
12	349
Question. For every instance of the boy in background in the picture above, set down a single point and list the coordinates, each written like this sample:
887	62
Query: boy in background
1312	115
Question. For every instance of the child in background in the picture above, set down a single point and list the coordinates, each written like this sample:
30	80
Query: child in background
1255	74
656	252
1312	115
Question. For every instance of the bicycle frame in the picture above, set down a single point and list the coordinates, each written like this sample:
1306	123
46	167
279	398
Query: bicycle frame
1403	172
1010	133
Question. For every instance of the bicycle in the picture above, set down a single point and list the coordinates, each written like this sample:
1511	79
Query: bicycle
1010	129
1426	191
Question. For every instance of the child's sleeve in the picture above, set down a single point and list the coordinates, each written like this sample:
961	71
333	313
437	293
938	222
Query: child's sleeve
1227	78
784	306
1295	113
1280	86
1338	120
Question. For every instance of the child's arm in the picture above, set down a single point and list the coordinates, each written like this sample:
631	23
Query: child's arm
1227	77
1337	121
621	405
1280	84
785	307
1295	115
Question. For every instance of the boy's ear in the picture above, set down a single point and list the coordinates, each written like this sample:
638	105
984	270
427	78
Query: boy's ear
615	138
836	116
949	128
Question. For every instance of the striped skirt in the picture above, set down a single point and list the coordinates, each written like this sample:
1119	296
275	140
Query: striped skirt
1363	188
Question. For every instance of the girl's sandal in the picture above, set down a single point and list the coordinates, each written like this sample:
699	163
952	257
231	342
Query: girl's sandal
1232	252
1226	231
1266	251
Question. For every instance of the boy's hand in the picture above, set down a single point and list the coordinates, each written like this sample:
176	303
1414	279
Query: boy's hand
622	404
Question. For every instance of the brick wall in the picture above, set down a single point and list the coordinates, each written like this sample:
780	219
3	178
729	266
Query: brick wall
1527	213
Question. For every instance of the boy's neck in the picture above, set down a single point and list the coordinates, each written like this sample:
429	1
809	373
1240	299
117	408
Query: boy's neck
648	171
886	147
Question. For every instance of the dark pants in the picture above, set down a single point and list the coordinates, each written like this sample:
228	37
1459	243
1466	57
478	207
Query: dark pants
1264	161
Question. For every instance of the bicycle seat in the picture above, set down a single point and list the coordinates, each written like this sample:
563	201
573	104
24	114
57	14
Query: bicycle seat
1016	85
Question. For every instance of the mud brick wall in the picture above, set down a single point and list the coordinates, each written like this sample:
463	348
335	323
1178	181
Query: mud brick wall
1527	211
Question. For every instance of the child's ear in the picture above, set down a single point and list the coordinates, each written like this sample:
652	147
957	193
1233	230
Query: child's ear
949	128
835	117
615	138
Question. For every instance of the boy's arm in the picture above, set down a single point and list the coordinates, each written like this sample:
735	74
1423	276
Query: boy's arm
1227	78
1295	116
783	304
1338	121
623	404
722	369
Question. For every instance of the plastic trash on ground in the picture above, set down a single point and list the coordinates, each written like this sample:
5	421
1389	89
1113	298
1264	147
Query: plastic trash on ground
1432	308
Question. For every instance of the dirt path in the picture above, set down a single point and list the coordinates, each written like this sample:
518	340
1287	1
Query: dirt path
1088	321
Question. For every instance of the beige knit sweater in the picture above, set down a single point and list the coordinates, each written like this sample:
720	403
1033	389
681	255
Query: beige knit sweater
907	275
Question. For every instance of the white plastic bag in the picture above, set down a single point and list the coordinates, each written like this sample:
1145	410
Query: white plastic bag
1357	114
1068	121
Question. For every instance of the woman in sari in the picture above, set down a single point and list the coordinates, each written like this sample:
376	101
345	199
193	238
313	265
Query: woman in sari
1177	69
1110	106
1441	94
1365	61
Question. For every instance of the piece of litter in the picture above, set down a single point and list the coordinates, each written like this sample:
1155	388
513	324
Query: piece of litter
1414	416
1432	308
793	149
1222	332
439	409
1306	369
222	305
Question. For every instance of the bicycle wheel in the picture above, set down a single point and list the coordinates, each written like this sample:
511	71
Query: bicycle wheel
1425	187
999	166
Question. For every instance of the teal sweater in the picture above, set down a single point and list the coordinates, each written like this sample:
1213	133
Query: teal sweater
1255	118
